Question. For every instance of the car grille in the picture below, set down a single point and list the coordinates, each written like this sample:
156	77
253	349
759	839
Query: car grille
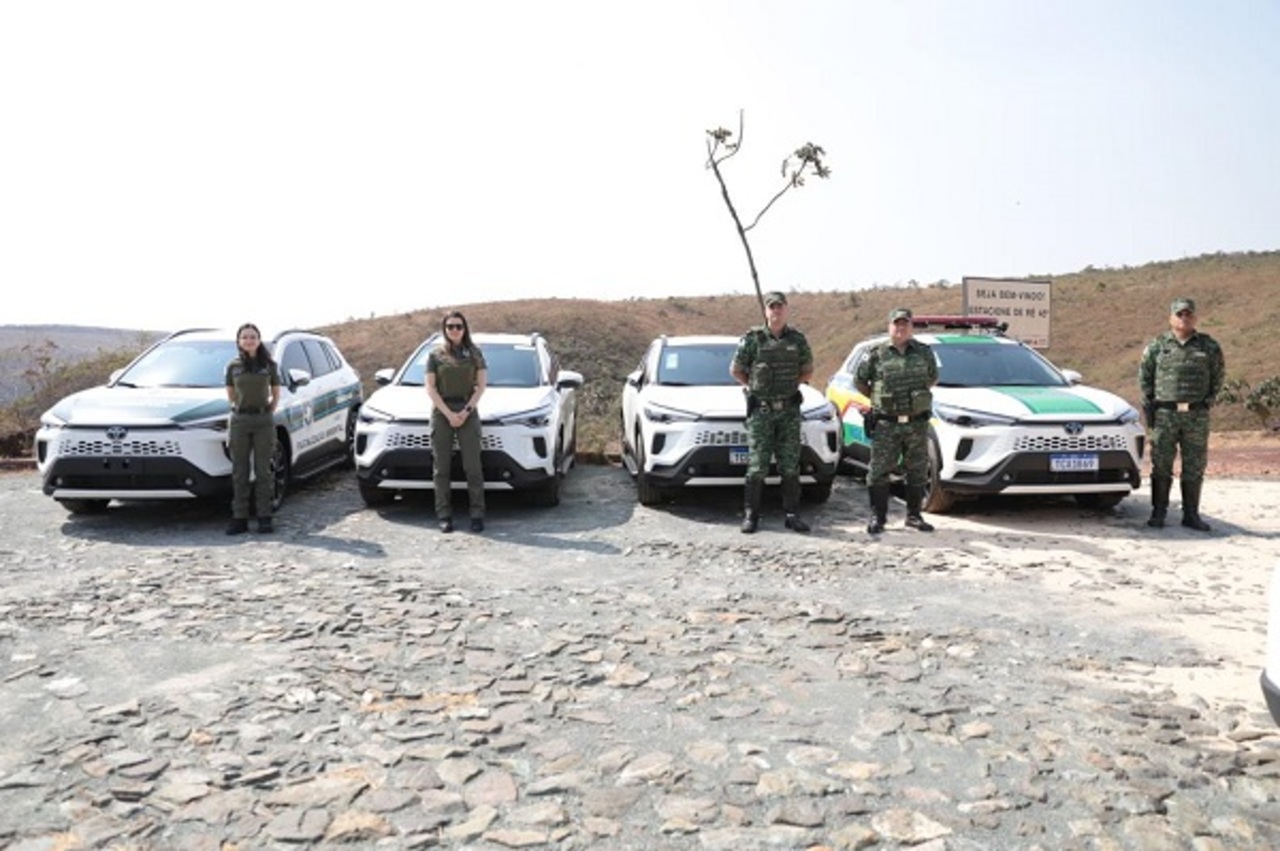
119	448
720	437
1070	442
422	440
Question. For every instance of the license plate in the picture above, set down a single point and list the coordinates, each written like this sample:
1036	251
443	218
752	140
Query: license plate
1080	462
739	456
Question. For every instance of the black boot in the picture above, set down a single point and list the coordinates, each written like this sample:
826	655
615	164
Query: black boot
879	495
1191	506
238	526
791	504
751	505
915	496
1160	486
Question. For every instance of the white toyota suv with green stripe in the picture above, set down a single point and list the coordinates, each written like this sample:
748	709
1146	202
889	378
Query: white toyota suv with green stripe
158	428
1005	421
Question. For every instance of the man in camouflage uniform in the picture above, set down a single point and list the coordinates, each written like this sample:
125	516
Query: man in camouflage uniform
771	362
897	376
1179	377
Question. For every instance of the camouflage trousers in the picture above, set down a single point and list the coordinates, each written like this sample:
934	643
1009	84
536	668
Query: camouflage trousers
1185	430
773	434
894	443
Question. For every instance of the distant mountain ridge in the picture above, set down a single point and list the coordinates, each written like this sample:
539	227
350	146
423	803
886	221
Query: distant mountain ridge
20	345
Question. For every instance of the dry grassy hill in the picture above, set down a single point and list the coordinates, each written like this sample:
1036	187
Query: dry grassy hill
1102	318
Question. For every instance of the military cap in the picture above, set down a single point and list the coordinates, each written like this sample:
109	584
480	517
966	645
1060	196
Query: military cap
1182	304
899	313
774	297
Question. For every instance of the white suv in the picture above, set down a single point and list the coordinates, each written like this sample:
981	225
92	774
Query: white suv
1005	420
684	422
158	428
528	423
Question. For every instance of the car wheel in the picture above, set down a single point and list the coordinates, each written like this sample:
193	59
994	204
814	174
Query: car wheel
349	439
818	492
373	495
85	506
1099	501
646	492
280	472
936	500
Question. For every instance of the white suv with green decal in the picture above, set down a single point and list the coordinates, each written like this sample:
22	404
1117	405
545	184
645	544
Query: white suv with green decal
158	428
1005	421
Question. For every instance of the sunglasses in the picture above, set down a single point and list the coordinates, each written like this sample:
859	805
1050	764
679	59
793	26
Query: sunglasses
454	326
1185	313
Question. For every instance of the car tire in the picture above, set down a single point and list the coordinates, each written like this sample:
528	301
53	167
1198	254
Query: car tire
374	496
281	470
1099	501
85	506
646	492
936	500
349	439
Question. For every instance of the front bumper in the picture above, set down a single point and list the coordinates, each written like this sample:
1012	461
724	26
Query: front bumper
131	478
710	466
1029	473
411	469
155	463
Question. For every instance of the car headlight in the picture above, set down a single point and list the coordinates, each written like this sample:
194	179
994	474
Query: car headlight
662	414
823	413
221	423
373	415
1129	416
50	420
965	417
537	418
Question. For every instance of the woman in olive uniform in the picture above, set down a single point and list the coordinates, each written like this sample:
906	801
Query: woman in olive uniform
456	375
253	388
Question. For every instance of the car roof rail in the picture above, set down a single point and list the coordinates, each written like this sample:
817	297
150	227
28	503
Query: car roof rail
989	324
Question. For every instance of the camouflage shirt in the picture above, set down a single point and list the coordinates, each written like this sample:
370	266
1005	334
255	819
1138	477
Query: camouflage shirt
1181	372
774	364
899	381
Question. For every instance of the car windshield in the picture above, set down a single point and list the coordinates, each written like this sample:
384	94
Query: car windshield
182	363
702	364
507	365
991	364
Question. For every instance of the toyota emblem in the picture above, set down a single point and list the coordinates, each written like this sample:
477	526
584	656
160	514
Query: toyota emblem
117	433
1074	428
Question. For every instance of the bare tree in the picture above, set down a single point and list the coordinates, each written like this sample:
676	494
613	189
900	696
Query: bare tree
806	160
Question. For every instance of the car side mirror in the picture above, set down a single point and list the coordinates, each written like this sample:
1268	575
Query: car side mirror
636	378
383	376
1072	376
298	378
568	378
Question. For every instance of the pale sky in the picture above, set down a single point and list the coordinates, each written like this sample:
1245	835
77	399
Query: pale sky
173	163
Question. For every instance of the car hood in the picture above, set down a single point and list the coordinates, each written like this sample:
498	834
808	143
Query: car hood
141	406
721	402
1053	404
404	402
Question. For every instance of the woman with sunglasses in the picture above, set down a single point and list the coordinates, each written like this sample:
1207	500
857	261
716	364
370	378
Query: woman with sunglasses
455	382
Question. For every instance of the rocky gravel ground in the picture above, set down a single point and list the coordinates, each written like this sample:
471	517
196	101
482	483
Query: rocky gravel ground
602	675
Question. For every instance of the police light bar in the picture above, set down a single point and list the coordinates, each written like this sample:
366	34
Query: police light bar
959	322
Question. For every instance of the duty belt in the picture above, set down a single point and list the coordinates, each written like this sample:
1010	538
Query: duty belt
253	411
1181	406
776	404
900	418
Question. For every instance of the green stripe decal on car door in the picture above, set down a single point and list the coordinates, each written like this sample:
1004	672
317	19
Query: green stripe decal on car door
1049	400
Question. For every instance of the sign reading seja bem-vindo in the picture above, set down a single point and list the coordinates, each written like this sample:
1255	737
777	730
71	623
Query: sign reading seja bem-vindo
1024	305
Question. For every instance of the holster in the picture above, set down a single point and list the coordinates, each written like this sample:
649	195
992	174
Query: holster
752	404
869	420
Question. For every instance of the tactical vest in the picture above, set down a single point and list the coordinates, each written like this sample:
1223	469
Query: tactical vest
252	384
776	371
456	375
1184	373
903	385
